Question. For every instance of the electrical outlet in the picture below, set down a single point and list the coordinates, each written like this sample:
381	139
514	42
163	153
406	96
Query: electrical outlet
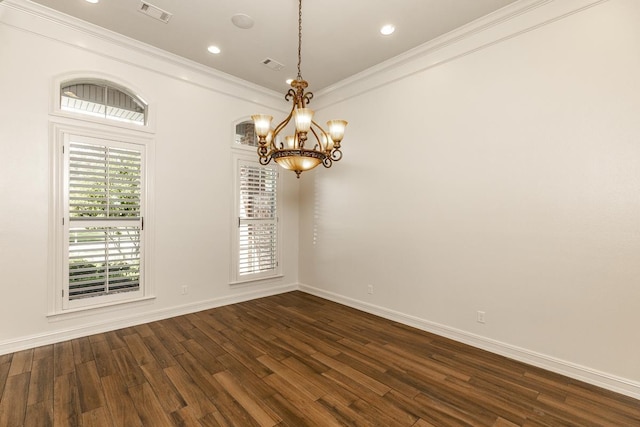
481	317
370	289
185	290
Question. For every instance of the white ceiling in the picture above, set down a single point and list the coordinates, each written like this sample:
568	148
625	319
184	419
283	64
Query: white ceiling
339	37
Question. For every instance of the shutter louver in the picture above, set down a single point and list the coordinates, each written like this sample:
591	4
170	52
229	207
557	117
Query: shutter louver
258	229
104	202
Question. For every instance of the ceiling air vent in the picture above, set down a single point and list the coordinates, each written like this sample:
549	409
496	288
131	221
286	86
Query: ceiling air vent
272	64
154	12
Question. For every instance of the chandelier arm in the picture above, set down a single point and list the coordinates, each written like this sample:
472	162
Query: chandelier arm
336	155
313	122
281	126
327	162
324	132
264	161
307	97
262	150
315	134
290	94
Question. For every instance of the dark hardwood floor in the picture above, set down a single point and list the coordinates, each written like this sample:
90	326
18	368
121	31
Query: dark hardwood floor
289	360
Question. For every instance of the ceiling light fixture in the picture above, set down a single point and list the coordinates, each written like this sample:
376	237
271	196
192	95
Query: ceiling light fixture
92	1
387	30
214	49
290	152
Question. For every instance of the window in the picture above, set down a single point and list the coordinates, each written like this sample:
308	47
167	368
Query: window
256	242
257	236
102	99
100	180
103	217
245	134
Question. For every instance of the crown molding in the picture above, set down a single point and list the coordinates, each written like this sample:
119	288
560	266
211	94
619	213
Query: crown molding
51	24
504	24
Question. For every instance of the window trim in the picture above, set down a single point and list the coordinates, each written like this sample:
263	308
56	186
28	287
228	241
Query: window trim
60	130
240	156
100	78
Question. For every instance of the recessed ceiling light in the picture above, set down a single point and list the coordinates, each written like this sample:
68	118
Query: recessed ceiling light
93	1
289	81
214	49
387	30
243	21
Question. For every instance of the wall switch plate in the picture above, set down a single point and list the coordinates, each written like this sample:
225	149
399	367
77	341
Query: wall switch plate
370	289
481	317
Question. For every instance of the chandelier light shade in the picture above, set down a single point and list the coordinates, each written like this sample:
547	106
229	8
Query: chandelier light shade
310	145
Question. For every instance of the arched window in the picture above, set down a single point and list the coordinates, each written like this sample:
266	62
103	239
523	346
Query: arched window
245	134
100	181
102	99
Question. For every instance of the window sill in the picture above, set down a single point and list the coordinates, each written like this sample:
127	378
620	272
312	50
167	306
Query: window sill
255	279
75	313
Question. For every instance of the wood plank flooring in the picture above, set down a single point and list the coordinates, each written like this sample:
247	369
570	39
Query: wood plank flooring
289	360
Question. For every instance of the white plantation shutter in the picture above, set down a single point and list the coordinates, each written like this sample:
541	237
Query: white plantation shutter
104	182
257	219
103	261
105	211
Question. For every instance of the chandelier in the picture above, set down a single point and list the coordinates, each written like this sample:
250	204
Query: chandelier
310	144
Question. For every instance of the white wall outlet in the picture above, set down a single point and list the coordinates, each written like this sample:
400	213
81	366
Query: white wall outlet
481	317
370	289
184	290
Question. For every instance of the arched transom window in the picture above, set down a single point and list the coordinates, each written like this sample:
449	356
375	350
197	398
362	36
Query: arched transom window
102	99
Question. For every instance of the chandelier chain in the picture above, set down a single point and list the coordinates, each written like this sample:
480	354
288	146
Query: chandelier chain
299	38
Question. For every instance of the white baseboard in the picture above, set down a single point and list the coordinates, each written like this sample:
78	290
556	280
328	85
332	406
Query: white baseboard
563	367
572	370
111	323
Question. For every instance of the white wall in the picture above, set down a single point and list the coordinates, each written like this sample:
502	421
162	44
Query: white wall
195	111
509	185
501	173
